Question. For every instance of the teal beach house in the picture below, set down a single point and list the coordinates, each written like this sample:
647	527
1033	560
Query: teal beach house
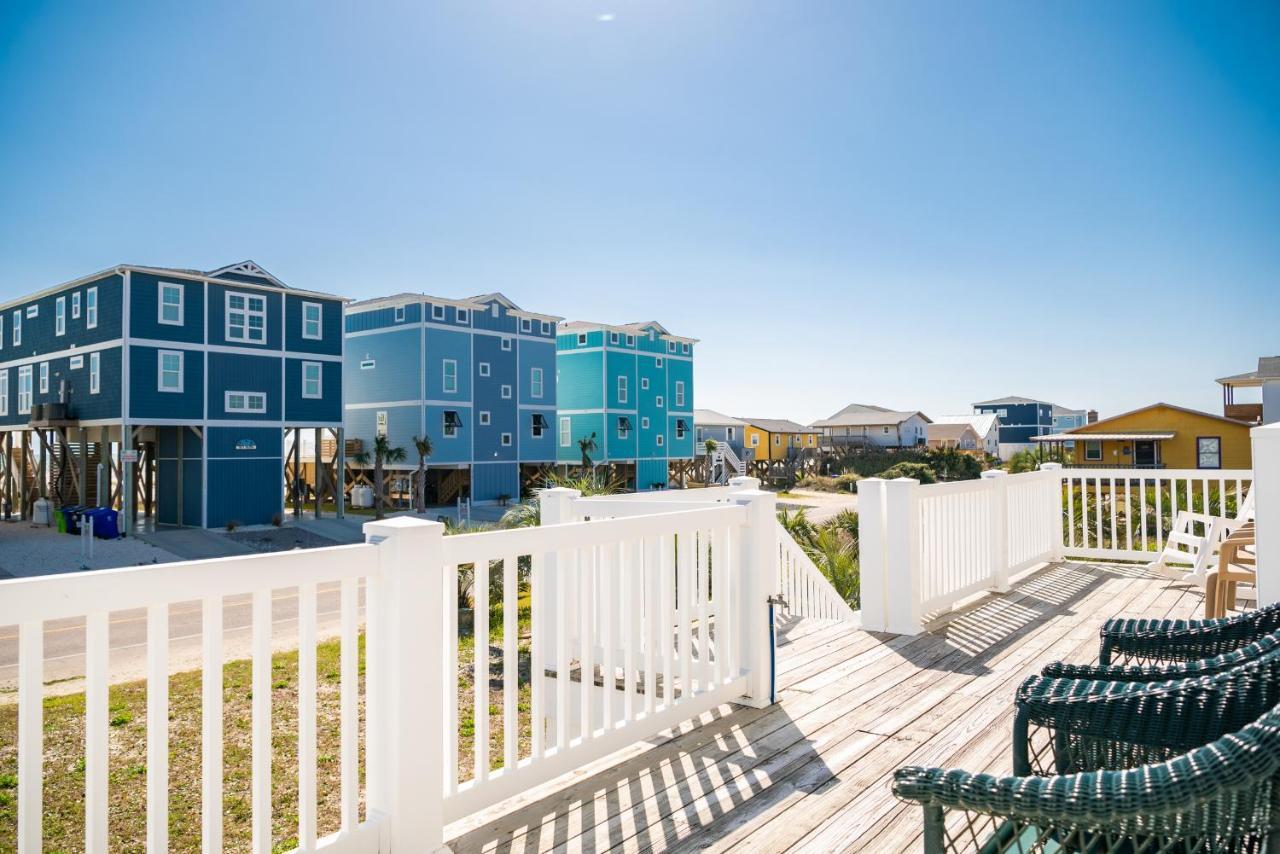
625	397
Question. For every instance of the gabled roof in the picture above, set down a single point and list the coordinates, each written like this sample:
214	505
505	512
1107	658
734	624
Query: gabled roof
711	418
1011	400
512	309
952	430
861	415
247	268
775	425
1062	410
1268	369
637	329
982	424
1098	426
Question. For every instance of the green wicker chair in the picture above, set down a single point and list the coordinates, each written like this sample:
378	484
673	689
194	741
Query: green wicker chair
1162	672
1062	726
1142	641
1218	798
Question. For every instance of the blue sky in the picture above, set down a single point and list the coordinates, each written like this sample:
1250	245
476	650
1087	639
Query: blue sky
913	204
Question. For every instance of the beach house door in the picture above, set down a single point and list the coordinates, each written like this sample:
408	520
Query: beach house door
1144	454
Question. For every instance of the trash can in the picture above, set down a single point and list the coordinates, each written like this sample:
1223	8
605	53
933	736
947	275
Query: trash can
60	519
105	523
73	513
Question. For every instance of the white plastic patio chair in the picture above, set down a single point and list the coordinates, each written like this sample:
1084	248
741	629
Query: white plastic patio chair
1184	546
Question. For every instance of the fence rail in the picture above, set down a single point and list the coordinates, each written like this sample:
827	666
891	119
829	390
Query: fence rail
807	591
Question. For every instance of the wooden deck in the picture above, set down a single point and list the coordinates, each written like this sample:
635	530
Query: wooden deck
812	772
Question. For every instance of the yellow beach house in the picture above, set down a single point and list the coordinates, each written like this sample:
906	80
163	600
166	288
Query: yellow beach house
777	438
1160	436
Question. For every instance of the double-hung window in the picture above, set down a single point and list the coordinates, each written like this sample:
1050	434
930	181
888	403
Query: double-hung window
451	424
91	308
44	377
246	318
564	431
4	391
311	316
449	378
1092	450
75	305
95	372
1209	452
17	328
170	307
252	402
312	380
24	390
624	427
169	371
535	382
679	393
538	424
60	316
622	388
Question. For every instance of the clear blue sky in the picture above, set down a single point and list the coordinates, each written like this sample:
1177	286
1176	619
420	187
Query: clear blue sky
918	205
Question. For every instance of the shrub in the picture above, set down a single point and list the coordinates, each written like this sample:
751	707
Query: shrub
920	471
848	482
818	482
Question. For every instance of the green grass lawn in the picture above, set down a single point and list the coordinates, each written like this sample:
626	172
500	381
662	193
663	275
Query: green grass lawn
64	750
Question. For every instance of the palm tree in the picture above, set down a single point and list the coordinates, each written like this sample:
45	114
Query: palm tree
587	444
422	444
382	453
711	445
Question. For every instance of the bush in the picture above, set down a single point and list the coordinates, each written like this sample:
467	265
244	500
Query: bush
848	482
818	482
920	471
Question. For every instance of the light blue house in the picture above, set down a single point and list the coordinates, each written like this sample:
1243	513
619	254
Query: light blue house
628	390
168	391
476	376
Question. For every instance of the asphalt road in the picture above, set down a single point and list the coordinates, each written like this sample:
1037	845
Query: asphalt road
64	639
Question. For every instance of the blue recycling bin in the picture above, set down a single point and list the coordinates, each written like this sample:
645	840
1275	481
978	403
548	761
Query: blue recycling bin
105	522
74	514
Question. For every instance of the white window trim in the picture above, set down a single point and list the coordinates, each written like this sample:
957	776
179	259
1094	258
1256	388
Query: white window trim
319	366
623	431
444	426
75	362
75	305
247	312
437	312
582	339
1	331
680	430
95	373
679	393
485	418
644	383
44	377
526	325
660	440
60	316
484	369
444	376
4	391
614	339
160	354
506	392
658	402
566	430
399	316
368	364
246	409
380	422
535	383
505	439
319	307
17	328
91	308
535	429
546	327
24	373
622	388
464	315
657	363
160	303
506	344
644	423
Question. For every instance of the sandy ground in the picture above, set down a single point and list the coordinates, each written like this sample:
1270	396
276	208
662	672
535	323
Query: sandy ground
819	506
27	550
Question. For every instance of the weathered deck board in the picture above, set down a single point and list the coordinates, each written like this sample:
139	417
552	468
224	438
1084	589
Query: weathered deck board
812	772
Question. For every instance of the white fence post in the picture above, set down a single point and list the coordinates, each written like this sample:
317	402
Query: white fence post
871	554
404	650
1055	483
1266	509
902	557
999	505
759	580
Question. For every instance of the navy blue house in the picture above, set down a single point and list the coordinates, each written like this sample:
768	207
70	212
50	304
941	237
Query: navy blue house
166	391
1020	419
476	376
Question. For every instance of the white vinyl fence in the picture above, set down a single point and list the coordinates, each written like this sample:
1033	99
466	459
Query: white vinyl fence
637	621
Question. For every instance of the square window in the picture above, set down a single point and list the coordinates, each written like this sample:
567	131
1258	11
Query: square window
644	423
506	392
582	339
658	402
437	312
464	315
685	349
484	418
526	325
506	344
631	340
546	327
660	440
644	383
484	369
170	307
657	363
1092	450
671	346
399	314
506	440
613	338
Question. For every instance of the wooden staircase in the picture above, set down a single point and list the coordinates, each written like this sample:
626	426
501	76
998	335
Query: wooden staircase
452	484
